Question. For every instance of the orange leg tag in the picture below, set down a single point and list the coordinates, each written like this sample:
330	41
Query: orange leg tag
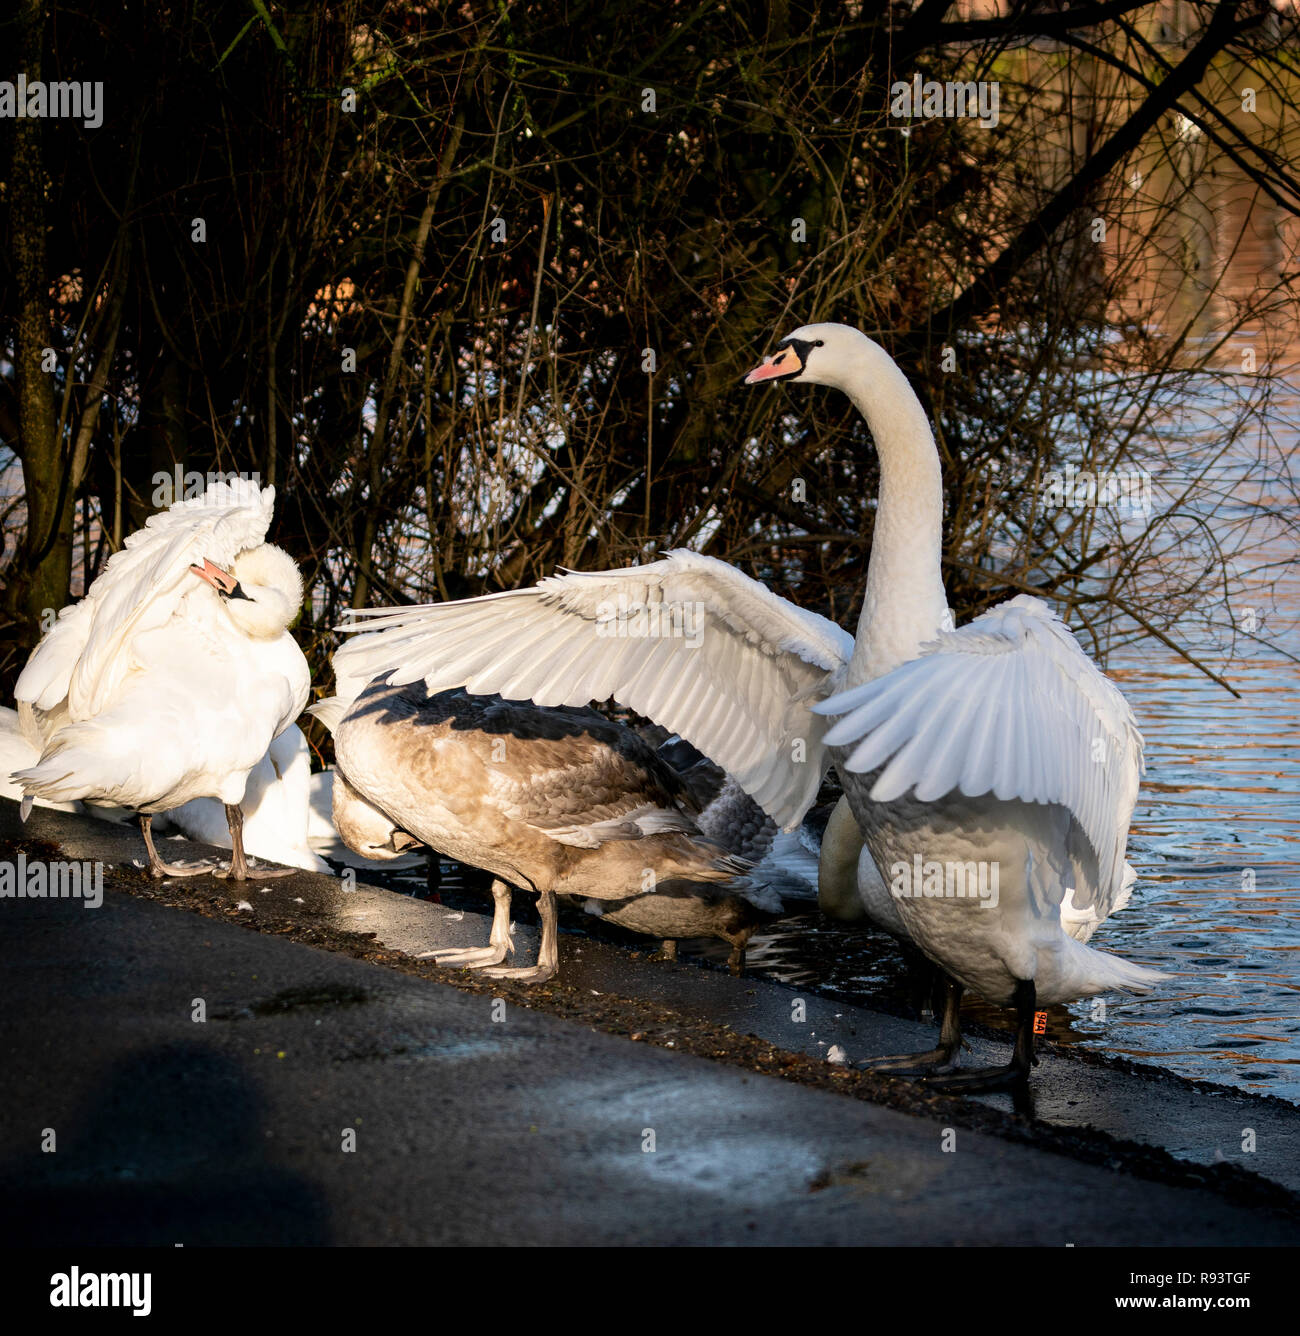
1040	1022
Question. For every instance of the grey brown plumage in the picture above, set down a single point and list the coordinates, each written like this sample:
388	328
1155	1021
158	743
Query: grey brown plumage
557	801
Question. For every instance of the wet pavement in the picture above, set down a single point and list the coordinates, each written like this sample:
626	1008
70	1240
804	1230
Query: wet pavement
326	1099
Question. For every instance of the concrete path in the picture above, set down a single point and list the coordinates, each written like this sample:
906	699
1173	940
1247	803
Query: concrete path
475	1120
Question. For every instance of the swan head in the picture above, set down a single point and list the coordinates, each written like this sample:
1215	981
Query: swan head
364	828
825	354
261	592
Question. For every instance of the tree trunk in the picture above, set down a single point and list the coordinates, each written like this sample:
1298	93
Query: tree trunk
44	569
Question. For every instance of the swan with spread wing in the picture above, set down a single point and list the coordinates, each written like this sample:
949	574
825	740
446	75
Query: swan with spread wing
169	679
999	746
688	641
992	769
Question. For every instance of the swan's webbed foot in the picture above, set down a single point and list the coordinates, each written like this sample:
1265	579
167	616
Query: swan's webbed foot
159	870
248	872
548	955
912	1064
499	943
1015	1075
976	1079
667	949
538	973
940	1057
471	957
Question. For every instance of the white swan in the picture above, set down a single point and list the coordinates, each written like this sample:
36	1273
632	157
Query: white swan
989	734
169	679
998	748
276	802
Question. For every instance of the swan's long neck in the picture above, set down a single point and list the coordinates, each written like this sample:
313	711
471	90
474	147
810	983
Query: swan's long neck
905	604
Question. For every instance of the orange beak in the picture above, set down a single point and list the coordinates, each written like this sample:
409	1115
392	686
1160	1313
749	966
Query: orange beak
784	362
221	580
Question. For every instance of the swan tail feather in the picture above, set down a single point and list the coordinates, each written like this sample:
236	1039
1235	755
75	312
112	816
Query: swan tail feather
1085	972
51	779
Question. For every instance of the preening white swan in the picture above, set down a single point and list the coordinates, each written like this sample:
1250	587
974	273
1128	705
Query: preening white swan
556	801
169	679
999	745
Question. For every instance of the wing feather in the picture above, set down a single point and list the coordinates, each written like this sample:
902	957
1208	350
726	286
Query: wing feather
1009	705
731	667
83	662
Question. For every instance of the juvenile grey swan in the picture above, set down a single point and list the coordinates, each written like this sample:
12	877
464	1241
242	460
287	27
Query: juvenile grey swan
555	801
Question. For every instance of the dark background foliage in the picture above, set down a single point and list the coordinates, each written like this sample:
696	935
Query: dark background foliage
426	317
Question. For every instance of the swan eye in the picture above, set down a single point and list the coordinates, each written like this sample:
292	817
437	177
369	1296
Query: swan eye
819	343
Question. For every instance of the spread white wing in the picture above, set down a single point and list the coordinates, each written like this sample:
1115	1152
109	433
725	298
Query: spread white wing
687	641
81	663
1008	705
